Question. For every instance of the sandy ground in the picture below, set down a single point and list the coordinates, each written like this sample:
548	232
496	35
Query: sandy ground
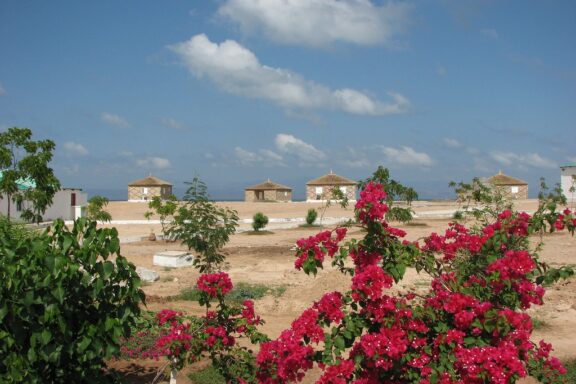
268	259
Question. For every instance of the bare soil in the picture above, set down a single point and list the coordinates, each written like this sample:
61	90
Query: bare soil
269	259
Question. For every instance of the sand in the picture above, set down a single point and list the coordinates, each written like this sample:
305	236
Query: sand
268	259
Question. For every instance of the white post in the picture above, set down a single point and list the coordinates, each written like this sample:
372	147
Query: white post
173	376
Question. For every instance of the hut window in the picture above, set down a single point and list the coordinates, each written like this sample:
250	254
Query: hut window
285	193
514	189
145	190
343	190
319	191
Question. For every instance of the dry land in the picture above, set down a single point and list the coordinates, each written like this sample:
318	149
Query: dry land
269	259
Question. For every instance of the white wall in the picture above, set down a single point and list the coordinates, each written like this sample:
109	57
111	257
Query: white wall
61	207
567	180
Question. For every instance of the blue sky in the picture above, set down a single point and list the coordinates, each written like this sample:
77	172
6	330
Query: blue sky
238	91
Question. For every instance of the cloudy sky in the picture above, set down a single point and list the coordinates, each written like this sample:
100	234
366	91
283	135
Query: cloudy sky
238	91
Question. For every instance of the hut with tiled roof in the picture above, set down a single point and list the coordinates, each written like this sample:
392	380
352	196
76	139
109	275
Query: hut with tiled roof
268	191
147	188
321	189
509	186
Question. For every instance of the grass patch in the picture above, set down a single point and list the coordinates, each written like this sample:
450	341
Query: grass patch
570	366
207	375
416	224
306	225
187	294
259	233
242	291
539	323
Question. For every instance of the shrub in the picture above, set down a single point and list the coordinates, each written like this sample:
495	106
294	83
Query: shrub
201	225
67	298
259	221
95	209
311	216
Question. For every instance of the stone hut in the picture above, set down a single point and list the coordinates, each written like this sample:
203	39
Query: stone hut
510	187
268	191
320	189
148	187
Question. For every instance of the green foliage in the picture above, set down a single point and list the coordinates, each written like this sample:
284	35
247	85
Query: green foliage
570	366
95	209
479	201
201	225
394	192
16	230
25	161
311	216
163	208
242	291
207	375
66	300
548	196
259	221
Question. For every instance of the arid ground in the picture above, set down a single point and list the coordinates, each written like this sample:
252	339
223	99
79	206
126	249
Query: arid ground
268	259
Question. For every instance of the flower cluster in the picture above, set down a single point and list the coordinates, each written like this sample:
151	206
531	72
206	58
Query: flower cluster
312	251
215	284
371	206
465	330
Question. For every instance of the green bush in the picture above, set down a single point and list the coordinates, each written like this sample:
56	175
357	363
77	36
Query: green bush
207	375
311	216
95	209
259	221
67	298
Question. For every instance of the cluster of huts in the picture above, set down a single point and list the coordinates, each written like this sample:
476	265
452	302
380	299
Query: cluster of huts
319	189
322	188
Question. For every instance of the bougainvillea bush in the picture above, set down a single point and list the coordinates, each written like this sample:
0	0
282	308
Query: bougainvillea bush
470	327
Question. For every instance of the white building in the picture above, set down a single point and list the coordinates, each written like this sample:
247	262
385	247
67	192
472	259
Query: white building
568	181
68	204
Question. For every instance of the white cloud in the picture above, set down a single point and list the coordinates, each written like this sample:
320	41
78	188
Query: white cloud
237	70
153	163
490	33
292	145
320	22
2	90
451	143
116	120
75	148
407	156
264	157
172	123
531	160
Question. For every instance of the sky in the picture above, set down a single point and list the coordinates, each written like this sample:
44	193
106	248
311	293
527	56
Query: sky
240	91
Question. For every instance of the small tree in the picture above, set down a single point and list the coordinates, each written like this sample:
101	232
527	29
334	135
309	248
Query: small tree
95	209
481	201
164	209
259	221
394	192
67	298
26	176
311	216
201	225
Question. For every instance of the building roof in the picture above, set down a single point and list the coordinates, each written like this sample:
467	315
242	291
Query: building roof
149	181
502	179
268	185
22	184
569	165
331	179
